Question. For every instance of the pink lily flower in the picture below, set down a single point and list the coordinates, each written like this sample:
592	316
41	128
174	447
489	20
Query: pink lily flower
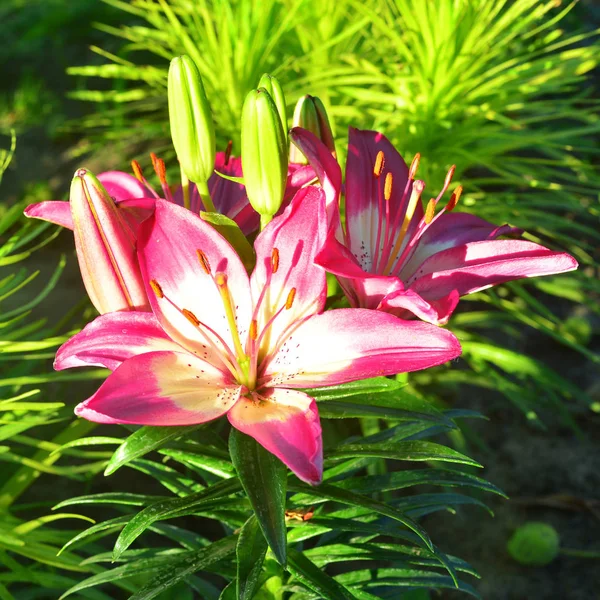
105	240
396	256
219	342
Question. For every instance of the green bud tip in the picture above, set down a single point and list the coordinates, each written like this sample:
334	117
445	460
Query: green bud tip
310	114
264	153
192	128
271	84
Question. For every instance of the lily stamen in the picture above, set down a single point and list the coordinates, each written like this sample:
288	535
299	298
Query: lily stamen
139	175
456	194
203	261
137	171
415	196
225	353
221	282
228	152
387	242
379	164
274	260
161	171
156	288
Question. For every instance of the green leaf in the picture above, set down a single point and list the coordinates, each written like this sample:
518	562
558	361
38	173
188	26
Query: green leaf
403	479
172	508
395	405
180	570
145	440
251	550
231	231
332	492
316	580
263	477
229	592
138	567
355	388
105	526
413	451
111	498
239	180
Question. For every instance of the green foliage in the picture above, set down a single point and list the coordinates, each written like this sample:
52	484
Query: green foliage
31	430
342	521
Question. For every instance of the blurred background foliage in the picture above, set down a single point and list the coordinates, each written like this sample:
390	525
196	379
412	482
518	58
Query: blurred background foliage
506	90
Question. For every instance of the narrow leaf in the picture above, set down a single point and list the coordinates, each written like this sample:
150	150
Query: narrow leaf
316	580
251	550
144	440
263	477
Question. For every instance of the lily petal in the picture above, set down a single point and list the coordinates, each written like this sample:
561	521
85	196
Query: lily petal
54	211
363	289
161	388
168	247
123	186
450	230
286	274
353	343
135	211
403	302
326	169
479	265
286	423
111	339
365	193
298	177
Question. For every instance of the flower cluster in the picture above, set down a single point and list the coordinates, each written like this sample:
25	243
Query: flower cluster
192	330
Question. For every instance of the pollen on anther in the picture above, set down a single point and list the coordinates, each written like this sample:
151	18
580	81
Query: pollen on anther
449	176
290	298
429	211
159	168
190	316
414	165
137	171
203	261
379	164
228	152
454	198
156	288
274	260
387	188
253	329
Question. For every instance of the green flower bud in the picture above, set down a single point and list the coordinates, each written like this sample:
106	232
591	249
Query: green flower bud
264	154
534	544
310	114
272	85
191	121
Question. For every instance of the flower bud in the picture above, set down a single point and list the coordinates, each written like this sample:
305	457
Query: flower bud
310	114
106	248
264	154
191	121
272	85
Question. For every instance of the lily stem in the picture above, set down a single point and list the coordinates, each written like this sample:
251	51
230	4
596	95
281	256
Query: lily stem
205	196
185	186
265	220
